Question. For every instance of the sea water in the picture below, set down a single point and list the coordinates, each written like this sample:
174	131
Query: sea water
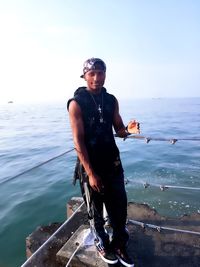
35	133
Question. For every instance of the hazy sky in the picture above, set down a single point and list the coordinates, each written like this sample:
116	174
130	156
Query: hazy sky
151	47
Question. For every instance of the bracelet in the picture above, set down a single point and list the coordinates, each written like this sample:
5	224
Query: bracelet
126	130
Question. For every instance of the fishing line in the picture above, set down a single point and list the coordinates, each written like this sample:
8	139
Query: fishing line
35	167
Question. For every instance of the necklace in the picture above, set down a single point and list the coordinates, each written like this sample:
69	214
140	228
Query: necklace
99	108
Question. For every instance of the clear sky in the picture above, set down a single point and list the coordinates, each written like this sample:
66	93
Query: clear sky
151	47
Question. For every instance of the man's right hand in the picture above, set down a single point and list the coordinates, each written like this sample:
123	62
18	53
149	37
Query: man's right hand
95	182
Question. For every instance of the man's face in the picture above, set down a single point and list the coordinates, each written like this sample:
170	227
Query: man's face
95	79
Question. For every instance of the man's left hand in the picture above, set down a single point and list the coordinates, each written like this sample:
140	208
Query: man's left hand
133	127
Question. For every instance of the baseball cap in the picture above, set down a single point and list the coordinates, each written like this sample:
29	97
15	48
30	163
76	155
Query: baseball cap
93	64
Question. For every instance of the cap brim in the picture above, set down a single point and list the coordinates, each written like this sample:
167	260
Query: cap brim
82	76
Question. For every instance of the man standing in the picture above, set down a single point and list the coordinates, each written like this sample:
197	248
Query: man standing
93	114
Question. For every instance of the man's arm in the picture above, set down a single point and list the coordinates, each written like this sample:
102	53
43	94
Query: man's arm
76	122
118	124
122	131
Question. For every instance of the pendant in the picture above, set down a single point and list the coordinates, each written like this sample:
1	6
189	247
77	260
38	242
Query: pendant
100	114
99	109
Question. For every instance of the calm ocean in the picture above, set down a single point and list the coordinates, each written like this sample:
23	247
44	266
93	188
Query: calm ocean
32	134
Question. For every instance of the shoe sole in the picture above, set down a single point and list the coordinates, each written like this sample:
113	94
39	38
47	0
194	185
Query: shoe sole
125	263
108	261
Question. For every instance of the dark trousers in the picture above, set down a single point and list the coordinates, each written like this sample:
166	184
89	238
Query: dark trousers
115	200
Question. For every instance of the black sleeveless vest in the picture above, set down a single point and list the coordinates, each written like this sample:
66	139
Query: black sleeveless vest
99	140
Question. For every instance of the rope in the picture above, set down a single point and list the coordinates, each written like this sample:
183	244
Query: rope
35	167
159	228
73	254
171	140
163	187
78	246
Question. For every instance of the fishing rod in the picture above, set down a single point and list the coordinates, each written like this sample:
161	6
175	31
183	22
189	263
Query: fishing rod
159	228
49	240
148	139
161	186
